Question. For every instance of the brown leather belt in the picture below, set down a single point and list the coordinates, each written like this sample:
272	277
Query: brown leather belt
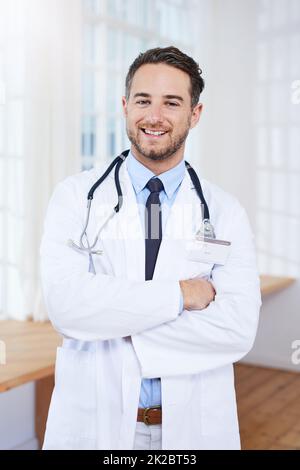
151	415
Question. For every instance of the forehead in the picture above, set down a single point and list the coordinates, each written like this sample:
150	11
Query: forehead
161	79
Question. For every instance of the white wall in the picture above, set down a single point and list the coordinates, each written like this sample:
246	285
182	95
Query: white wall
17	418
278	329
226	128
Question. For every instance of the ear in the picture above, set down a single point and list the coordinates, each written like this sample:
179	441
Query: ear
124	105
196	113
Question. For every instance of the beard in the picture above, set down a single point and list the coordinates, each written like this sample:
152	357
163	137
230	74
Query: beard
163	153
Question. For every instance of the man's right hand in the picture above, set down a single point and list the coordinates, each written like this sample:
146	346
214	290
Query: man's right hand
197	293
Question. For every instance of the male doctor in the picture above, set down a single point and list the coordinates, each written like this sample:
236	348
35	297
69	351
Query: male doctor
152	326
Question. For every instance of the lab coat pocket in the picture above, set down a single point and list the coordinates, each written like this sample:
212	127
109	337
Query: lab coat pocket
194	267
75	393
177	390
219	411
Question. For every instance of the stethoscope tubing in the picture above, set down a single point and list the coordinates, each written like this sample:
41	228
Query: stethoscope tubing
117	162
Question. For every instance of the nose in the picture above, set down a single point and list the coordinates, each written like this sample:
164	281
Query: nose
155	114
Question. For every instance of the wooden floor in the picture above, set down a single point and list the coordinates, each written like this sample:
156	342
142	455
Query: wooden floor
268	407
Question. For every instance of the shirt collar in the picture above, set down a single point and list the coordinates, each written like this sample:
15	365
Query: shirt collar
140	175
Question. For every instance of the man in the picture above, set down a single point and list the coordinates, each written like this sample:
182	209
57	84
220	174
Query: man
151	322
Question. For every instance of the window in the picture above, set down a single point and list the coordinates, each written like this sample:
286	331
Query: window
115	32
278	137
11	154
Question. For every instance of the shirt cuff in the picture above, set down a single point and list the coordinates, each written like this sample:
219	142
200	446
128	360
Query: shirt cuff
181	304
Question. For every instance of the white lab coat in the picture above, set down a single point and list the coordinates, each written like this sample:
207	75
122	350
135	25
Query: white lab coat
118	328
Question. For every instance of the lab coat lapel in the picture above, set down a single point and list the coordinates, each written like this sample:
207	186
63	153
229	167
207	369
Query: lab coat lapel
184	219
129	229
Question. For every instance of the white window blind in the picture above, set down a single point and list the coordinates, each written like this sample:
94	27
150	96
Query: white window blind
40	65
278	137
11	152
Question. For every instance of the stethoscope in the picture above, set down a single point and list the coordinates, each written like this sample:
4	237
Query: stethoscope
205	231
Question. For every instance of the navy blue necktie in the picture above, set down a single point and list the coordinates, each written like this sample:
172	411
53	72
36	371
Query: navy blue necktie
153	226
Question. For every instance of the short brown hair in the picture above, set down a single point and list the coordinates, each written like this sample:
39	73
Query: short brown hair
173	57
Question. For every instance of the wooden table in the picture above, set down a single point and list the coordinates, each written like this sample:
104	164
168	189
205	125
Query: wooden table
30	355
270	284
31	349
30	352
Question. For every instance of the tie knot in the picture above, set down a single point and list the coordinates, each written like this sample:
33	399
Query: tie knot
155	185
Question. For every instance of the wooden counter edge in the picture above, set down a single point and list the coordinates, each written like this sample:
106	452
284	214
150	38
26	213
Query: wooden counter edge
272	284
29	377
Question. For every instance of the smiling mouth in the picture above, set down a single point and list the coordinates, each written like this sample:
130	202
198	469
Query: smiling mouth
152	133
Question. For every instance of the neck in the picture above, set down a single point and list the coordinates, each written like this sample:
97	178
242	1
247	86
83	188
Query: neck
158	166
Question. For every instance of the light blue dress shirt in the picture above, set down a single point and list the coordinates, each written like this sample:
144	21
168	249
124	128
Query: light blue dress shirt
171	179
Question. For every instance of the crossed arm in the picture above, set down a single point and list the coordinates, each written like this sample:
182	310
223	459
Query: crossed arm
218	335
92	307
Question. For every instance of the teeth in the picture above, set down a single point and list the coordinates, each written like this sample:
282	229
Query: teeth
154	132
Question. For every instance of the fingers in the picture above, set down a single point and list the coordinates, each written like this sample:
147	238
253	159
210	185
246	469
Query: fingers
197	293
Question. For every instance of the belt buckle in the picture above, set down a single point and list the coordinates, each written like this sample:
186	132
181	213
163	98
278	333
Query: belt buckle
146	417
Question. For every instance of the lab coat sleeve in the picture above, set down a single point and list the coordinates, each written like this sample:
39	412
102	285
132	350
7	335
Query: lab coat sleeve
86	306
218	335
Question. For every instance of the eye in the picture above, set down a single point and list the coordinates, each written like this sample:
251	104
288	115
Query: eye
142	102
172	103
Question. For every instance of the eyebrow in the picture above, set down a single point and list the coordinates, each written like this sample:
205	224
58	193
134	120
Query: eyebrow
169	97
